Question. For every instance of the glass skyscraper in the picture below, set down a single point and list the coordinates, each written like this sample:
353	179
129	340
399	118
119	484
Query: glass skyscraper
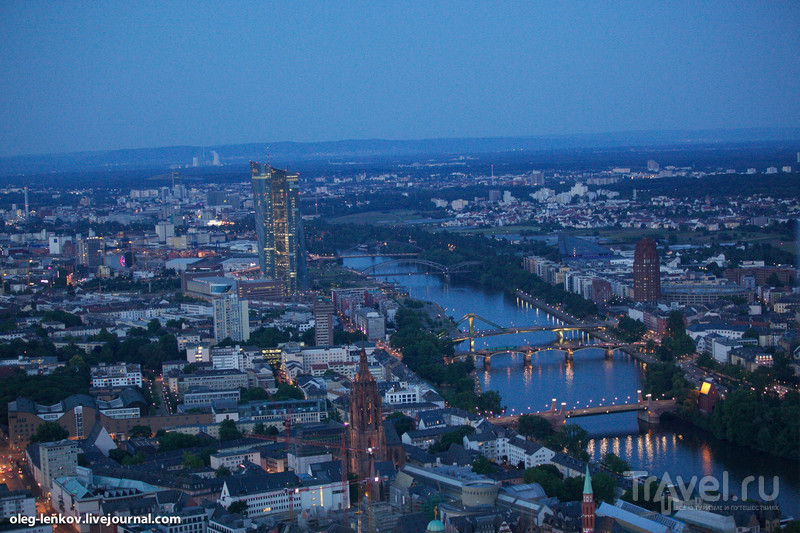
279	226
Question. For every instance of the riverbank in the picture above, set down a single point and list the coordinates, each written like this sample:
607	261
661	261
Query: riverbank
674	448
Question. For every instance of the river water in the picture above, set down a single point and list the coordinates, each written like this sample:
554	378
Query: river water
673	447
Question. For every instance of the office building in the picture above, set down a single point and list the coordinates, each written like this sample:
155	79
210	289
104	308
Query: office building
279	226
91	252
646	272
323	322
51	460
231	319
165	230
259	289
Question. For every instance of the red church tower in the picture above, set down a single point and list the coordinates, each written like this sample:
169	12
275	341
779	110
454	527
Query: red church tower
587	505
367	439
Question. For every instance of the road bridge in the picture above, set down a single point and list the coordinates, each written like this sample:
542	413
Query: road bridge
447	270
647	409
471	334
528	352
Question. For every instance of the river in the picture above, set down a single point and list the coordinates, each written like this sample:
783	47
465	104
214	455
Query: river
672	447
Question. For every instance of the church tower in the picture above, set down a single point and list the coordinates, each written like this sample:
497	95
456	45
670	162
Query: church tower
367	440
587	505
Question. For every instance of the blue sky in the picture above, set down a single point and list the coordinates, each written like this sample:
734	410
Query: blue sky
107	75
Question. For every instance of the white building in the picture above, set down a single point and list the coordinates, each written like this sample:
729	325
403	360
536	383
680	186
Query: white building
276	494
228	358
122	375
14	503
231	319
511	447
50	460
233	459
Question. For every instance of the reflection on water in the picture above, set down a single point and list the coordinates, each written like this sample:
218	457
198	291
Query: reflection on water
672	447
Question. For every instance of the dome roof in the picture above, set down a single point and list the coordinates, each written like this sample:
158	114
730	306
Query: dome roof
435	526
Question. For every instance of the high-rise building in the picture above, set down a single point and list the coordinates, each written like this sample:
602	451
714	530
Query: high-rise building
279	226
323	322
367	438
231	319
51	460
646	272
91	252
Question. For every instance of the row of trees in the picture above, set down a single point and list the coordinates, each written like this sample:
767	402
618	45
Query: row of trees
755	419
572	440
500	269
749	416
423	352
571	488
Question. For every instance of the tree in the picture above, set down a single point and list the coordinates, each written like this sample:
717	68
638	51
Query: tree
173	440
750	333
448	439
548	476
287	392
141	431
575	438
228	430
153	326
675	324
191	460
49	432
253	394
238	507
534	426
401	422
603	487
705	360
308	337
483	466
76	361
615	463
223	471
774	281
631	330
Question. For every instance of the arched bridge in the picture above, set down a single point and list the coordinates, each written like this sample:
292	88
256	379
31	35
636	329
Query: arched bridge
528	352
457	268
471	334
372	249
647	409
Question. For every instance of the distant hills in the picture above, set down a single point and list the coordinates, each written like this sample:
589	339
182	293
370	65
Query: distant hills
285	153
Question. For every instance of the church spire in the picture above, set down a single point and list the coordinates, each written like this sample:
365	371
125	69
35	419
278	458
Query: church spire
587	505
587	482
363	365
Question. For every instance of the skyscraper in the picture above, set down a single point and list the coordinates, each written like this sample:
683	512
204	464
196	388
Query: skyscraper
91	252
279	226
367	439
231	319
323	322
646	272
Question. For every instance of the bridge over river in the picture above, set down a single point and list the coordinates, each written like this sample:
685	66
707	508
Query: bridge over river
647	410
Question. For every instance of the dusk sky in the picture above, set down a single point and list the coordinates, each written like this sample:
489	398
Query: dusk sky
108	75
